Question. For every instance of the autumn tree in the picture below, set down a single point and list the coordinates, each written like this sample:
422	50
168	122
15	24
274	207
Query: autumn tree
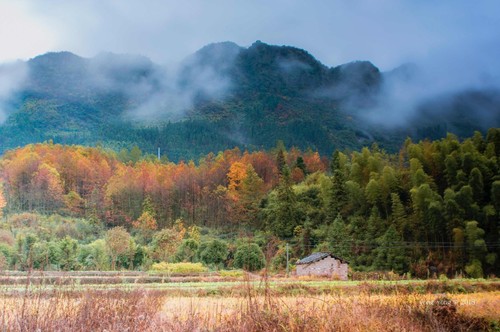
146	224
250	195
118	242
3	202
166	242
236	175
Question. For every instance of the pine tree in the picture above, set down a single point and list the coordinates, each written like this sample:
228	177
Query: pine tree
339	238
391	252
299	163
250	195
338	197
399	217
282	212
280	162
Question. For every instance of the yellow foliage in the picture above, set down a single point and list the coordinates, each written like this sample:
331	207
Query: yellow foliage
231	273
185	267
237	173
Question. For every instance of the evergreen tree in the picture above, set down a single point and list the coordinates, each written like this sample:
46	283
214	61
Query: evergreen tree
299	163
339	238
477	185
451	169
338	197
68	250
495	195
282	210
250	196
280	162
391	252
399	217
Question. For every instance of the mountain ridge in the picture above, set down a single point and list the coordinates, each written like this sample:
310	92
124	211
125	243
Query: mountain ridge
223	96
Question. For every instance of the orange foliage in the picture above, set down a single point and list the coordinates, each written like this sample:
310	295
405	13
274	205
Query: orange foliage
313	162
3	202
86	181
297	175
236	175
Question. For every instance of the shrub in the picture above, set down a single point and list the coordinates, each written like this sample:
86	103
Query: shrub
24	220
474	269
443	277
3	262
180	268
249	256
6	237
7	251
93	256
214	252
187	251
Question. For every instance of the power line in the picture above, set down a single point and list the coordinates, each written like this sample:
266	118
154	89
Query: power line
396	245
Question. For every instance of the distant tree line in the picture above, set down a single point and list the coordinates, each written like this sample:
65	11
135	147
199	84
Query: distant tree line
432	207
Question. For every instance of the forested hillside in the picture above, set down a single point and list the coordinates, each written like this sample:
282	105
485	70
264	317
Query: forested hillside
224	96
433	206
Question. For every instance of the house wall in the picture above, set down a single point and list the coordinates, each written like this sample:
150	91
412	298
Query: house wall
328	266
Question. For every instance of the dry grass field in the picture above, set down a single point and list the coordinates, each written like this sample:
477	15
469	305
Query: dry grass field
298	305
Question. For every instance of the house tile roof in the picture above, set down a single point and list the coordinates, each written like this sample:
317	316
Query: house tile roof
317	256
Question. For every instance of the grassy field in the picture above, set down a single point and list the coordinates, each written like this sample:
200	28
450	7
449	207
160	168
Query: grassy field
211	303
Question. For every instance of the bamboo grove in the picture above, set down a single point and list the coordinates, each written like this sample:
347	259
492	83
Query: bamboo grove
434	207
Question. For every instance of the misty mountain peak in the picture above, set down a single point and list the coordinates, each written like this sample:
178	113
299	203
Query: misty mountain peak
360	76
216	58
404	73
57	61
63	56
357	68
219	50
283	52
285	70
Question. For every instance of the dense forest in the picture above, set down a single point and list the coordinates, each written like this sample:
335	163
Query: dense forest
433	207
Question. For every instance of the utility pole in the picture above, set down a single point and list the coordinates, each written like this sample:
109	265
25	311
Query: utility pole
287	266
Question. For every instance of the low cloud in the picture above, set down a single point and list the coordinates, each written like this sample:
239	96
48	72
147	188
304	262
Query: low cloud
204	76
12	78
161	92
152	92
454	44
291	66
432	85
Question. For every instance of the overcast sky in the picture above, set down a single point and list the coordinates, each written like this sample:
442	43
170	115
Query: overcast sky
386	32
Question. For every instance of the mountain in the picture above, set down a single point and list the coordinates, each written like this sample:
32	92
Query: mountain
224	96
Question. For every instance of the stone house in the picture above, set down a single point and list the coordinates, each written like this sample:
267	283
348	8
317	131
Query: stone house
323	264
